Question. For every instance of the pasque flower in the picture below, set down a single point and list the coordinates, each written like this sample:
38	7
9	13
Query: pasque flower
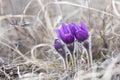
65	34
79	31
59	47
68	33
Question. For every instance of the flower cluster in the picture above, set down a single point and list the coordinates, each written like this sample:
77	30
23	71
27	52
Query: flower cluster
68	33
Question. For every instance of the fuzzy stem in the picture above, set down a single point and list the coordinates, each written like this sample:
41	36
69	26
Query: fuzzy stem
73	60
89	59
65	63
89	51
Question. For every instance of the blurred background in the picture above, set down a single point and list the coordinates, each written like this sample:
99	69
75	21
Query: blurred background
27	25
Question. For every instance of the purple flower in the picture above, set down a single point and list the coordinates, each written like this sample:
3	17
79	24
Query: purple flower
73	28
59	47
65	34
80	32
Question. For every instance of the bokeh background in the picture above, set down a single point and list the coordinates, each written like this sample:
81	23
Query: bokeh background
27	30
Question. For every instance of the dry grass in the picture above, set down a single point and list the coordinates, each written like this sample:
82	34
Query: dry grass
27	35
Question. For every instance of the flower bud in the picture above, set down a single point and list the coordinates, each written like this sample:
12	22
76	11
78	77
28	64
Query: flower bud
59	48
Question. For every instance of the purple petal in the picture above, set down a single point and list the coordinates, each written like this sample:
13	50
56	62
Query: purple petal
73	28
64	28
59	47
57	44
83	26
81	35
60	34
70	38
65	34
